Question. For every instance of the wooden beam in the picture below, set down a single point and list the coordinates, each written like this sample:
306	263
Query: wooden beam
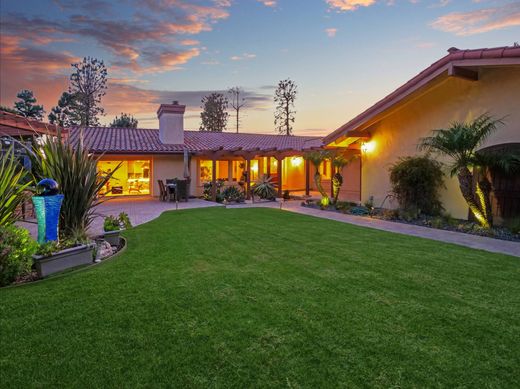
268	166
248	178
467	74
358	134
279	168
307	181
214	179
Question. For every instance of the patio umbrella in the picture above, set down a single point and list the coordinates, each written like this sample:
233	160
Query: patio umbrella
186	164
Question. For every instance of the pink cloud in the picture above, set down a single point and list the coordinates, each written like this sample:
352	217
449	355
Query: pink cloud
331	32
348	5
268	3
479	21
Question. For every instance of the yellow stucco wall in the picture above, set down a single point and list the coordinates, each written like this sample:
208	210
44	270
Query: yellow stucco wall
497	92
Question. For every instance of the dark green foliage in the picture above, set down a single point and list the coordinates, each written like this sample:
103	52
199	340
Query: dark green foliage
286	195
75	170
8	109
16	250
233	194
214	113
124	121
264	188
416	182
460	142
263	298
513	225
284	97
13	183
88	83
113	223
66	113
206	193
26	106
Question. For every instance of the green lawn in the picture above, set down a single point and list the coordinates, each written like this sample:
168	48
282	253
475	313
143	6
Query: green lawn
266	298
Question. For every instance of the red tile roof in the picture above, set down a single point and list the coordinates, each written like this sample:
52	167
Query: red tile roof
17	125
140	140
508	55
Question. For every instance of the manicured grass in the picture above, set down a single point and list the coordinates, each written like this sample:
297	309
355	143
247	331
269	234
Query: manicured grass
266	298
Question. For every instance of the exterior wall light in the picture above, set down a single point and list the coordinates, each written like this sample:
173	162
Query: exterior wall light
296	161
368	147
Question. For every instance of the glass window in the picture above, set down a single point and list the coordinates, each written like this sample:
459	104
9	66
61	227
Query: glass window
222	170
325	169
206	169
131	178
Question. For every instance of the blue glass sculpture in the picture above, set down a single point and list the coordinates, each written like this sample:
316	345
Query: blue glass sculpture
47	208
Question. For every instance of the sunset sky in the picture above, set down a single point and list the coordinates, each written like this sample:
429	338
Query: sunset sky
344	55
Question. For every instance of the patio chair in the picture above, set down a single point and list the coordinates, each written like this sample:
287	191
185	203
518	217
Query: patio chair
171	189
163	194
182	190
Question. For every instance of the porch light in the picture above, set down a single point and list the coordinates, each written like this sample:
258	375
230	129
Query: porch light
368	147
254	168
296	161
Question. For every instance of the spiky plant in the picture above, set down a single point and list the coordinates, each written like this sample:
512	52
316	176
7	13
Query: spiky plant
460	143
75	171
13	184
317	158
264	188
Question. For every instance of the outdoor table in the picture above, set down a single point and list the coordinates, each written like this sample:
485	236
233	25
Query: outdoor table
172	190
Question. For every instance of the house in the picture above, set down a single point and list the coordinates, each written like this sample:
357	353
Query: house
459	87
149	155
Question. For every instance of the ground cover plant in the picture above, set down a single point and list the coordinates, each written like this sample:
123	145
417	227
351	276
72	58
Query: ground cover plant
268	298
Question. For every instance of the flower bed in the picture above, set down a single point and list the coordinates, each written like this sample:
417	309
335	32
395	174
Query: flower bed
447	222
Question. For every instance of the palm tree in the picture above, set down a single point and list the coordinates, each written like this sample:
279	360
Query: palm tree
460	143
316	158
338	163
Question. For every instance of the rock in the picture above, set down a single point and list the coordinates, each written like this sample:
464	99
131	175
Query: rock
103	250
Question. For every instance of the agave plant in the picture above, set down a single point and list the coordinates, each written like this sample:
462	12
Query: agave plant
13	183
460	143
75	171
316	158
264	188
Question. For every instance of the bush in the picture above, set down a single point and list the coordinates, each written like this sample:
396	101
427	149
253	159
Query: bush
416	182
233	194
513	225
75	170
16	250
206	193
113	223
264	188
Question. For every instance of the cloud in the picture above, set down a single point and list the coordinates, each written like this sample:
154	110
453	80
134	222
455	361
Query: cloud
331	32
154	26
268	3
242	57
348	5
479	21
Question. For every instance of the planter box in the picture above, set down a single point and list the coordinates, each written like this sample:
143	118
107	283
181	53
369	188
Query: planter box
64	259
112	237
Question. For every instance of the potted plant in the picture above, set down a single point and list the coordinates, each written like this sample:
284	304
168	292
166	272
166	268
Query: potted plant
113	226
53	257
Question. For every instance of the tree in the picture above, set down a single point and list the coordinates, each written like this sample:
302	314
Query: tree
214	115
7	109
460	143
284	97
65	114
26	107
237	103
88	83
317	158
125	121
339	161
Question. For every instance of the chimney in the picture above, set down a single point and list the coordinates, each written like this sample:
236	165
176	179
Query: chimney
171	123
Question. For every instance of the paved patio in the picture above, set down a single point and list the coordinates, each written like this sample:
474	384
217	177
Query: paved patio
140	209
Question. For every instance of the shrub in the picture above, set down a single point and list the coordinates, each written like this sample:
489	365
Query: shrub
513	225
233	194
264	188
11	187
16	250
113	223
416	182
75	171
206	193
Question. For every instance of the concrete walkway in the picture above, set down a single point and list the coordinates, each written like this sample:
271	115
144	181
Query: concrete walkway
462	239
140	209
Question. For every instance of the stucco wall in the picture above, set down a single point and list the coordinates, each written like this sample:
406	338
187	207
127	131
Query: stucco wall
166	167
497	92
